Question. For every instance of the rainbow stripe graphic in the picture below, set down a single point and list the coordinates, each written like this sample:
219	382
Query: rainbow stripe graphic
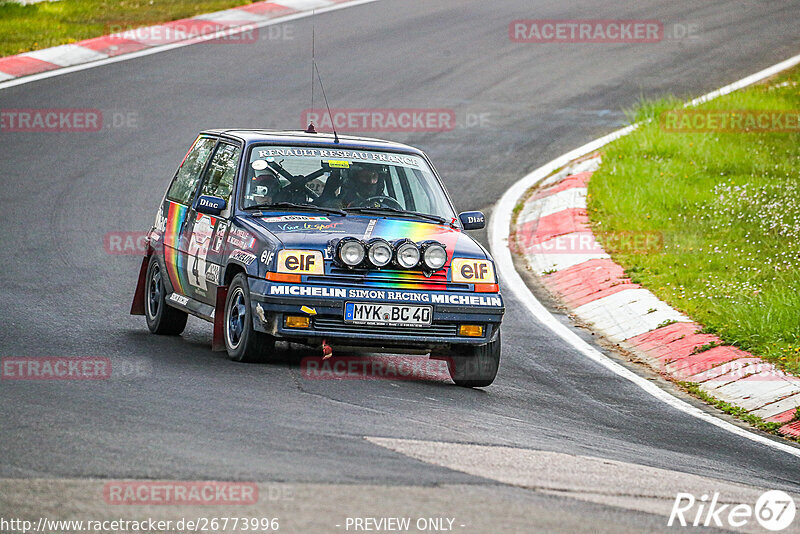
176	269
391	229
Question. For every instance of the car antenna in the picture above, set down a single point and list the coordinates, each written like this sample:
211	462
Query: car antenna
315	69
311	128
335	135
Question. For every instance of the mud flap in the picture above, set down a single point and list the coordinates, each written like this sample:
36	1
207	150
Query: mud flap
218	340
137	306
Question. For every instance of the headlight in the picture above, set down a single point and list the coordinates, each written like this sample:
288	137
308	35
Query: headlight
351	251
433	255
379	252
406	254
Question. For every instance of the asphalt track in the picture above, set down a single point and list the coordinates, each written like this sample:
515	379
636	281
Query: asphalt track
186	413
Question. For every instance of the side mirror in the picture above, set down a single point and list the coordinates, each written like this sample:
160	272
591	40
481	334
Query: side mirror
210	205
472	220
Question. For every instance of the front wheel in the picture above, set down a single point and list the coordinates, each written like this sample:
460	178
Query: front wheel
242	341
475	367
161	318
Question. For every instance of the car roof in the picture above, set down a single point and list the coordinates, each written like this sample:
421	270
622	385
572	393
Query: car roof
301	137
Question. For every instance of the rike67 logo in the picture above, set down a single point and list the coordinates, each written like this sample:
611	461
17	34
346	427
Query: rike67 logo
774	510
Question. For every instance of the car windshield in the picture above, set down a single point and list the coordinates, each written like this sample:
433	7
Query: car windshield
349	180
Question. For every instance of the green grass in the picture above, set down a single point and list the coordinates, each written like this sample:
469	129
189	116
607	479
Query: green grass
730	409
728	206
46	24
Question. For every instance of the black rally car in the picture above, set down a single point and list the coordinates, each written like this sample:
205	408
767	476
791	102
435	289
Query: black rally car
322	240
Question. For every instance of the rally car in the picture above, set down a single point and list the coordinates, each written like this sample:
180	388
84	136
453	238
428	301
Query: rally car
324	240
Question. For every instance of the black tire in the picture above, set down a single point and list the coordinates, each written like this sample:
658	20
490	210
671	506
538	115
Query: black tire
161	318
475	367
242	341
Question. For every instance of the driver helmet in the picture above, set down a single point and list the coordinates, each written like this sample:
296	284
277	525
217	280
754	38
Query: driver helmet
366	180
264	186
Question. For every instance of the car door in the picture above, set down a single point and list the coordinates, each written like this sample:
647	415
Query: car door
206	237
172	220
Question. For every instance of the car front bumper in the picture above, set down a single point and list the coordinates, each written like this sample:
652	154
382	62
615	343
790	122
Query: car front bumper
324	305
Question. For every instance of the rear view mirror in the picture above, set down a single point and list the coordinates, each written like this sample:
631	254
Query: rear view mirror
210	205
472	220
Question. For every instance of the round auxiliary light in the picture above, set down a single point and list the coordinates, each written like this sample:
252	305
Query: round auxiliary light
407	254
379	252
434	256
351	251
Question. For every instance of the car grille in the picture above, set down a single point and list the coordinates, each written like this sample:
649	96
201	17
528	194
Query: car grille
440	276
399	278
338	325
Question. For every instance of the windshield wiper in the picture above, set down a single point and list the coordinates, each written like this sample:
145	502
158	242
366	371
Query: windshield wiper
292	205
427	216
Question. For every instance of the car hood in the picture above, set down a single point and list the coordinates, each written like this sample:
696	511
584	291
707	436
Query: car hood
316	231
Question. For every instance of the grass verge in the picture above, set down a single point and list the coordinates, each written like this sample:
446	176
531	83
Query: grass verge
735	411
728	207
46	24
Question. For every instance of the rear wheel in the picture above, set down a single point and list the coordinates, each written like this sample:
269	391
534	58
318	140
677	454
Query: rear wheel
475	367
161	318
242	341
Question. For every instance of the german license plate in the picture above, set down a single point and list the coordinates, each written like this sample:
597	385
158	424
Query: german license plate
370	314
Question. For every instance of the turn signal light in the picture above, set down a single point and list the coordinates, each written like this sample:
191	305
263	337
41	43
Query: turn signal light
297	321
282	277
471	330
487	288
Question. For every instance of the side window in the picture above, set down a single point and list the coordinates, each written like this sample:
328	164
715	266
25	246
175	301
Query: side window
185	183
222	172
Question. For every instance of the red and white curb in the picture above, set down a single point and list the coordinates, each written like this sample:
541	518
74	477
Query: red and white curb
601	296
139	41
500	242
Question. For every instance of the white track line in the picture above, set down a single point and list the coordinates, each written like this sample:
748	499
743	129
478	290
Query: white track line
180	44
499	228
